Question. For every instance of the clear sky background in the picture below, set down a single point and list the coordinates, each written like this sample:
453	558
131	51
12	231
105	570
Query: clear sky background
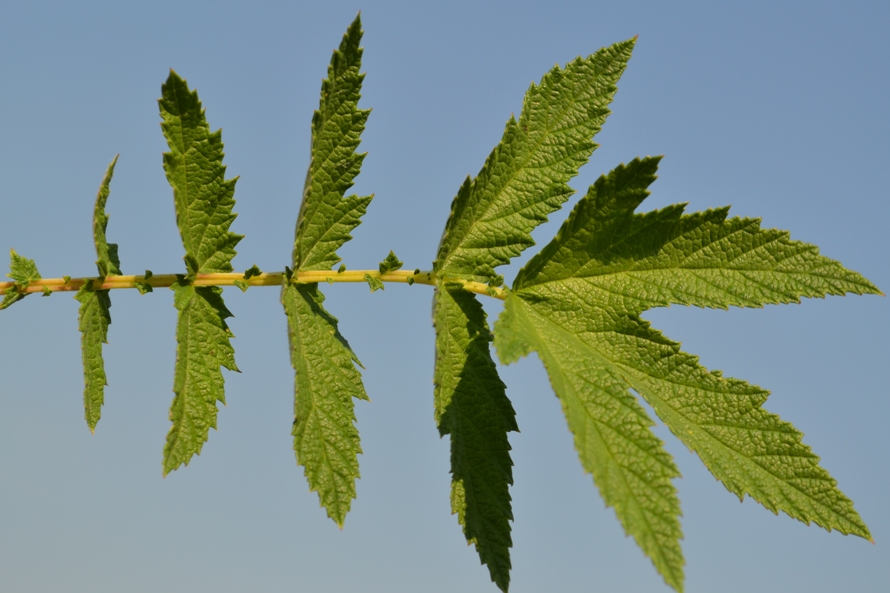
777	108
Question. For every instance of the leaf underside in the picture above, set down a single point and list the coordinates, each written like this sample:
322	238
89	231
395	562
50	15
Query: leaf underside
204	200
94	317
524	178
472	407
577	304
203	346
326	441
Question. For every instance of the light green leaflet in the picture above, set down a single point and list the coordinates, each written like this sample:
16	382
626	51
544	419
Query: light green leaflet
94	315
524	178
326	217
472	407
578	303
23	271
326	441
204	200
203	346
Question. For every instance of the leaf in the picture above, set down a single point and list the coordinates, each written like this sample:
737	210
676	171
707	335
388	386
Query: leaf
108	262
390	264
203	197
23	271
94	317
611	430
326	217
472	407
524	178
585	291
326	440
203	346
204	200
94	314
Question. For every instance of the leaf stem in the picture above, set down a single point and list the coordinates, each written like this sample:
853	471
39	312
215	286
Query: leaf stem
265	279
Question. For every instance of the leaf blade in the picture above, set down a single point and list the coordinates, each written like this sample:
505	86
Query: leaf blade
326	441
472	407
326	216
23	271
108	261
204	199
524	178
203	348
94	317
611	431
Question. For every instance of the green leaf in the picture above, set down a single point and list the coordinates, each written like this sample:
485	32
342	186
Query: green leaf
641	261
390	264
630	467
326	440
326	217
524	178
23	271
94	313
94	317
203	197
584	292
472	407
108	263
202	337
204	200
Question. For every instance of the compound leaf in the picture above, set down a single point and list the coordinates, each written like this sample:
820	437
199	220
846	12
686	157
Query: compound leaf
524	178
584	293
472	407
203	346
204	200
326	440
203	197
326	217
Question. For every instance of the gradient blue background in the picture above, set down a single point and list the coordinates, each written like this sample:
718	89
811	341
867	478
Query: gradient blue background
778	108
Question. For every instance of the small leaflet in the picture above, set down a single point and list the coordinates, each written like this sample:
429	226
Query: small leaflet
23	271
390	264
577	303
145	287
94	317
204	201
252	271
472	407
374	283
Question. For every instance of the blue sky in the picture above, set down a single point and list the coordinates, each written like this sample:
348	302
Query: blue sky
777	108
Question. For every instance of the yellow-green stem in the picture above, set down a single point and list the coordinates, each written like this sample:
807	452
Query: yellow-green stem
266	279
